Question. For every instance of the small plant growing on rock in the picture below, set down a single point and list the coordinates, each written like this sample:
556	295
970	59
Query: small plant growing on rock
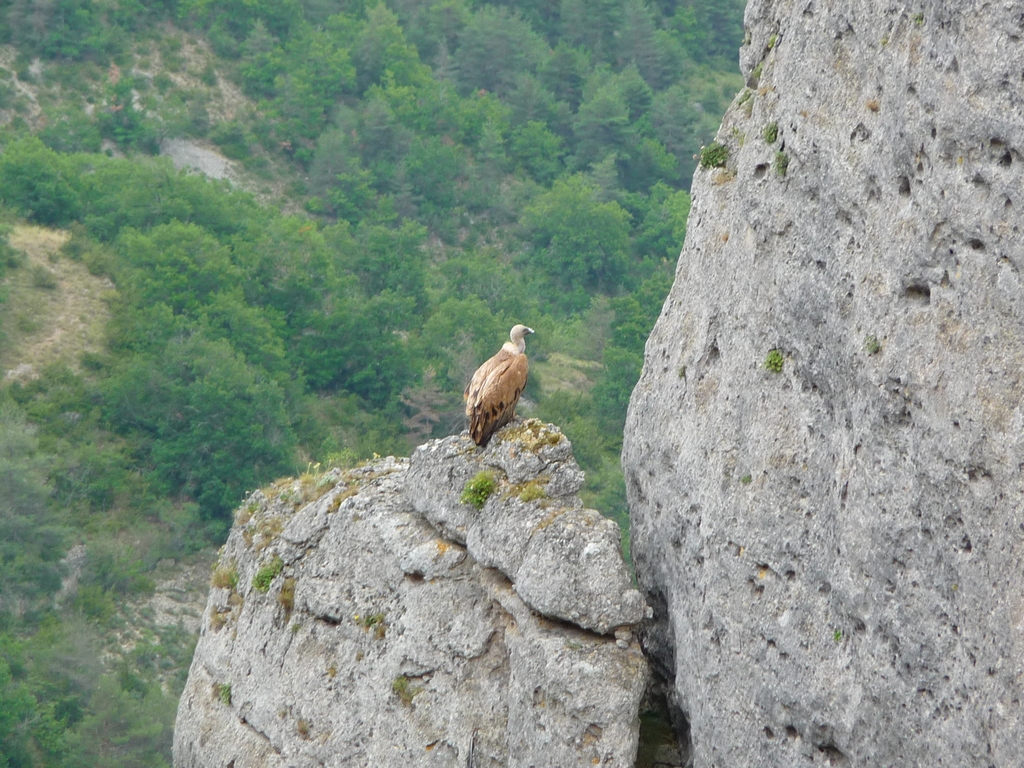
403	688
837	636
287	597
872	345
479	489
773	362
269	528
532	491
244	514
533	434
714	155
266	575
219	619
225	577
746	479
374	621
223	693
771	132
781	163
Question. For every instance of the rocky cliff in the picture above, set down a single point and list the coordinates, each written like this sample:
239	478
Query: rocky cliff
460	608
824	452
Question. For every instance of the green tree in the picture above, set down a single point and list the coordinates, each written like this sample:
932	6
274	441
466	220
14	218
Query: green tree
433	27
538	151
655	52
459	335
494	47
262	62
580	243
211	426
17	708
127	726
564	73
337	174
383	141
663	227
677	122
592	24
37	183
31	542
180	265
122	123
316	73
635	316
356	347
70	130
387	259
381	47
254	332
530	101
434	167
602	125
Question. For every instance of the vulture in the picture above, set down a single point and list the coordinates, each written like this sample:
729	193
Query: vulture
494	390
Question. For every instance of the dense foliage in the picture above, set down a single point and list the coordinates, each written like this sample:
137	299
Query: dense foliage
452	168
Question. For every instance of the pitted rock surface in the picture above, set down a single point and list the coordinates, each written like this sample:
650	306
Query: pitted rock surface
834	550
378	642
563	560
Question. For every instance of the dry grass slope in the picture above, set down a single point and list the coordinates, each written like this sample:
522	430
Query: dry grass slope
55	310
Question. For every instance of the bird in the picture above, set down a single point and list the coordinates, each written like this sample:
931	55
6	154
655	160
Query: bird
494	390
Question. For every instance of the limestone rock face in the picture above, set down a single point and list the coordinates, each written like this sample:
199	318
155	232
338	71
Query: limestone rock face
344	630
564	560
834	550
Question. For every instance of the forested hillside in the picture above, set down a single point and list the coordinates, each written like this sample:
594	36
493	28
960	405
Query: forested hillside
420	176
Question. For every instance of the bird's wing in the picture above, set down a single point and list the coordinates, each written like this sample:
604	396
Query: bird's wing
492	394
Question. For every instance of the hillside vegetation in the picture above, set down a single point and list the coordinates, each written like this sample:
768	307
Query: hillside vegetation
415	176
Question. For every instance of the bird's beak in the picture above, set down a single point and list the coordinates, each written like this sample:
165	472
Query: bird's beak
530	330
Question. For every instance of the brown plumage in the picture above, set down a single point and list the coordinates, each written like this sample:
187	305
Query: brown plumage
494	390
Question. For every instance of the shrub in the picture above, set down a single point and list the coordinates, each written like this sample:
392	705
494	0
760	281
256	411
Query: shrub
266	575
714	155
225	577
773	362
771	132
43	278
479	489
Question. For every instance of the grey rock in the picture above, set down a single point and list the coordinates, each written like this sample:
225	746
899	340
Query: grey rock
188	155
380	643
834	550
564	560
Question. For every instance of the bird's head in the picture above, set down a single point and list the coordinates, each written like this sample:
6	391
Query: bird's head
519	331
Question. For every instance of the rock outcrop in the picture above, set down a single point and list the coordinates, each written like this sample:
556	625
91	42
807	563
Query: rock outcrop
824	452
343	628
